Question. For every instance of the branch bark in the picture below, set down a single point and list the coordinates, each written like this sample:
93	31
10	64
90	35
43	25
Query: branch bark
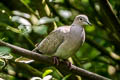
48	60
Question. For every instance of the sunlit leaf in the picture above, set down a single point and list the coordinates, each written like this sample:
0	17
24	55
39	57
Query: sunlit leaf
90	28
45	20
4	49
48	71
5	53
111	70
40	29
27	1
1	79
104	59
1	63
18	13
48	77
87	65
66	77
58	1
35	78
20	20
6	56
25	29
85	1
24	60
65	13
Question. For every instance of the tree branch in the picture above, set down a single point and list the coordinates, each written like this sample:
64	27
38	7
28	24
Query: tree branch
48	60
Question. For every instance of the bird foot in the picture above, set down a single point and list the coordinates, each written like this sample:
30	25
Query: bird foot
69	64
56	60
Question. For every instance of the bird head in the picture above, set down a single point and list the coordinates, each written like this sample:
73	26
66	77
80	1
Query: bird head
82	20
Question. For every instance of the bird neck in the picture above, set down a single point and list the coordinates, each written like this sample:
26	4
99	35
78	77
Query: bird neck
76	29
76	33
77	26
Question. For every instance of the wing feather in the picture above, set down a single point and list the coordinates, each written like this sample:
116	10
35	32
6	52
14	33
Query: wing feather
50	44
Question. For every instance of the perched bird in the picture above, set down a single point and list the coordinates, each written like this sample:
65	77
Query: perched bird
64	41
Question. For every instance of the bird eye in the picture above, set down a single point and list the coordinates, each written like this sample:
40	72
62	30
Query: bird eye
81	19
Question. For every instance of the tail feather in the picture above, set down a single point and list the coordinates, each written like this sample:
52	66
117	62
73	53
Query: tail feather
35	49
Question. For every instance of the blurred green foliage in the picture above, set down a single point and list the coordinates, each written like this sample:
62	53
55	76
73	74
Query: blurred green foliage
25	23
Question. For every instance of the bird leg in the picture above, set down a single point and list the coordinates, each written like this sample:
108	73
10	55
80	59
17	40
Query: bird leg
69	64
56	60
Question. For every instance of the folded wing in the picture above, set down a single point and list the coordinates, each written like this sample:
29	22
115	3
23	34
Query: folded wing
50	44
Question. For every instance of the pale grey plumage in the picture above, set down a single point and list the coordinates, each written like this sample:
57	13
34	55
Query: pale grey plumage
62	42
66	40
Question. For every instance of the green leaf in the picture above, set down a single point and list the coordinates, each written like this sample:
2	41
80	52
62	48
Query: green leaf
87	65
5	53
1	63
35	78
90	28
48	77
26	1
18	14
66	77
25	30
45	20
40	29
65	13
48	71
57	1
4	49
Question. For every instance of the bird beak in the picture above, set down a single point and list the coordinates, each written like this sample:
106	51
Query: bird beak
89	23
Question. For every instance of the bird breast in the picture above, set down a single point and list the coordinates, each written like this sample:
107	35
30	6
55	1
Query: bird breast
77	34
72	42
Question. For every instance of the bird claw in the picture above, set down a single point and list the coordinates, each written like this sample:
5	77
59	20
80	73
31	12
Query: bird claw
69	64
55	60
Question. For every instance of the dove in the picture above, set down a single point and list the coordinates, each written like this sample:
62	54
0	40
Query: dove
64	41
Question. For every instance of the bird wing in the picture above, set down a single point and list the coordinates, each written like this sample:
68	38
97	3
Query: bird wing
50	44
